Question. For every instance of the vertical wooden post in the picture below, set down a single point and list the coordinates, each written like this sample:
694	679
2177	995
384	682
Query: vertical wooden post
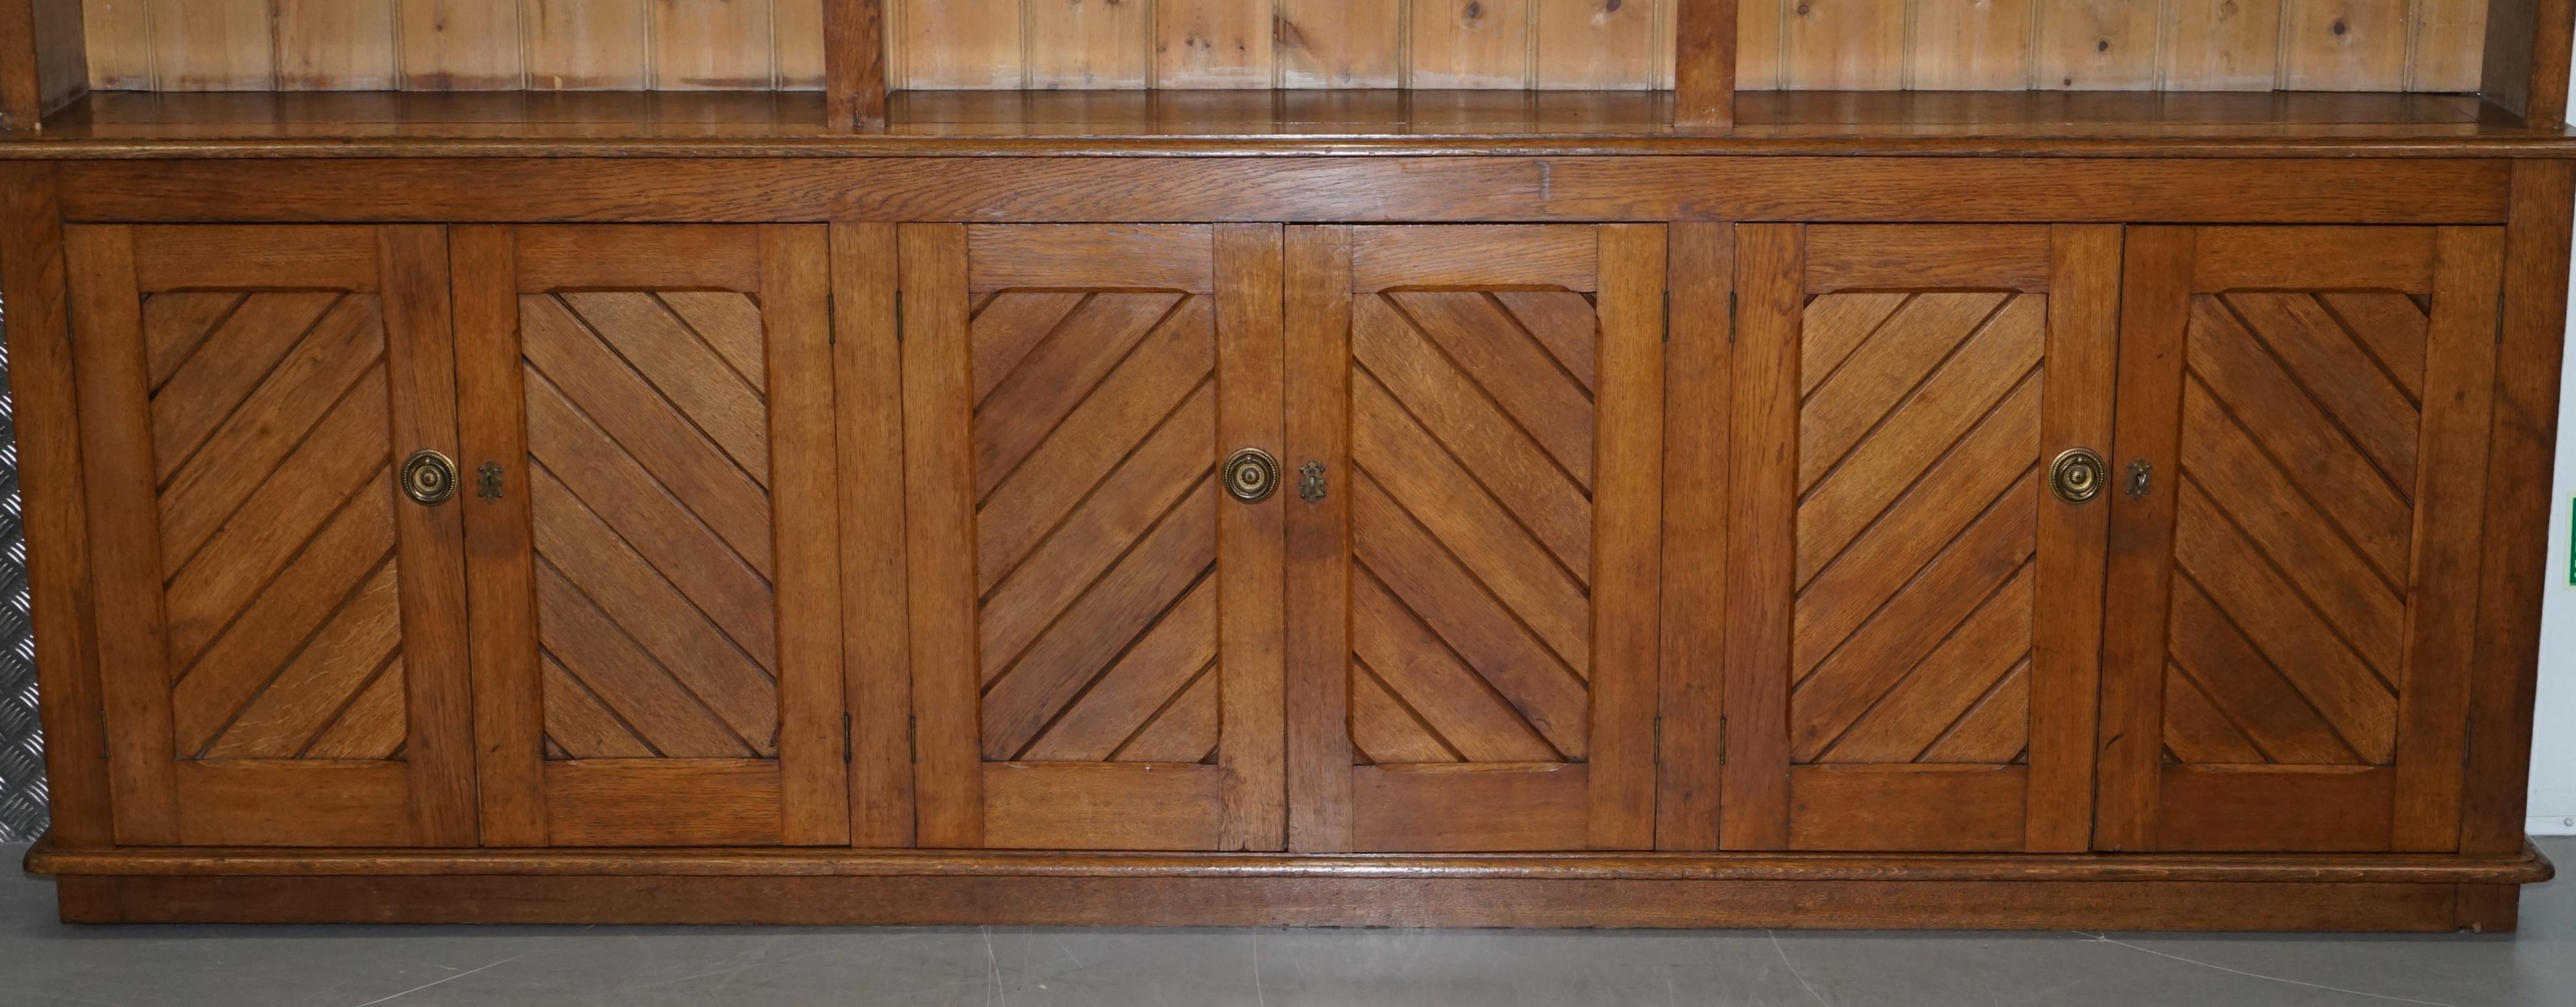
2506	671
1704	63
44	63
32	273
2526	59
854	64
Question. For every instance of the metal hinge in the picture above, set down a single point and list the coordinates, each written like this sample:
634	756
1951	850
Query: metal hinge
831	321
898	316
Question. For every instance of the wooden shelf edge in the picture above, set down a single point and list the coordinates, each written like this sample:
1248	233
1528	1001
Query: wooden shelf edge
130	125
2528	868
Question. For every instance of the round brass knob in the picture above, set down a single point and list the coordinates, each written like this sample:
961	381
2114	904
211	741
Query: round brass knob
428	478
2076	475
1251	475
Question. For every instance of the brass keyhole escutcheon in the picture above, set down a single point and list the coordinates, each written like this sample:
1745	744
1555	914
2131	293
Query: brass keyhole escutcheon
428	478
2076	475
1251	475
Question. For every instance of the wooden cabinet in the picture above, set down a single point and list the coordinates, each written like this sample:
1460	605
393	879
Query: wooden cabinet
1437	624
650	534
1480	568
1476	413
1095	619
2289	656
1913	610
281	631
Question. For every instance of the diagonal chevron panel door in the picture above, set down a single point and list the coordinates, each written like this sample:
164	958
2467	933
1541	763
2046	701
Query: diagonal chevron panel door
281	627
649	420
2307	561
1095	618
1472	588
1911	667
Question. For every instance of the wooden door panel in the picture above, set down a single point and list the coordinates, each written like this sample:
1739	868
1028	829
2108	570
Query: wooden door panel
655	401
2306	554
1484	408
286	626
1077	388
1929	615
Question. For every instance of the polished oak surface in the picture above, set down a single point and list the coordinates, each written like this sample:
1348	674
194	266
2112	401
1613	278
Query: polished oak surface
2090	123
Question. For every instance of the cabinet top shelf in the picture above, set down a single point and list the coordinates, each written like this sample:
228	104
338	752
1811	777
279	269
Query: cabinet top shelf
1165	123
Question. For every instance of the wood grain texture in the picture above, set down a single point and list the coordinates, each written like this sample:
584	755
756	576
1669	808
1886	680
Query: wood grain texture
940	535
1697	460
868	386
1271	901
1114	806
1770	284
2066	642
1251	375
43	60
437	703
1317	588
813	753
683	45
33	275
509	708
2154	312
1301	190
2526	409
855	62
1628	539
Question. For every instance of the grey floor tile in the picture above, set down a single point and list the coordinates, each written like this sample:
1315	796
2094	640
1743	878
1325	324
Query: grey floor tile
45	964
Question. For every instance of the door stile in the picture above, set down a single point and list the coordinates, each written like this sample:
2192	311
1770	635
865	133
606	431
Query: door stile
2155	296
1318	302
420	364
509	709
2076	407
1697	458
795	308
2451	500
1770	280
1627	516
116	428
1251	556
939	513
875	634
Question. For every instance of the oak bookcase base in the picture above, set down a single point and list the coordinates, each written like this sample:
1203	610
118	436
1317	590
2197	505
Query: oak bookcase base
1808	891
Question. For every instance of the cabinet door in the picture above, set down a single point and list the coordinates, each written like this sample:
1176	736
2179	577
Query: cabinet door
1476	413
648	424
1912	608
281	627
1095	618
2287	664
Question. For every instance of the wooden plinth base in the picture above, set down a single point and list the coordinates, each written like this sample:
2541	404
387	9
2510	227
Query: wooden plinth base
2317	893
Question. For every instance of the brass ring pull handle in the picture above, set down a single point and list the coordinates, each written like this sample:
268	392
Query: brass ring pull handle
1251	475
2076	476
428	478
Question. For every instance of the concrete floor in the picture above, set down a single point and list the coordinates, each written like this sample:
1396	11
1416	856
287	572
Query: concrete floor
45	963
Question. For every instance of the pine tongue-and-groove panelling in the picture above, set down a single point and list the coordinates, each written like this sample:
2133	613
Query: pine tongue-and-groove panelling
1471	526
1878	45
649	472
272	450
1919	487
1096	524
2293	532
